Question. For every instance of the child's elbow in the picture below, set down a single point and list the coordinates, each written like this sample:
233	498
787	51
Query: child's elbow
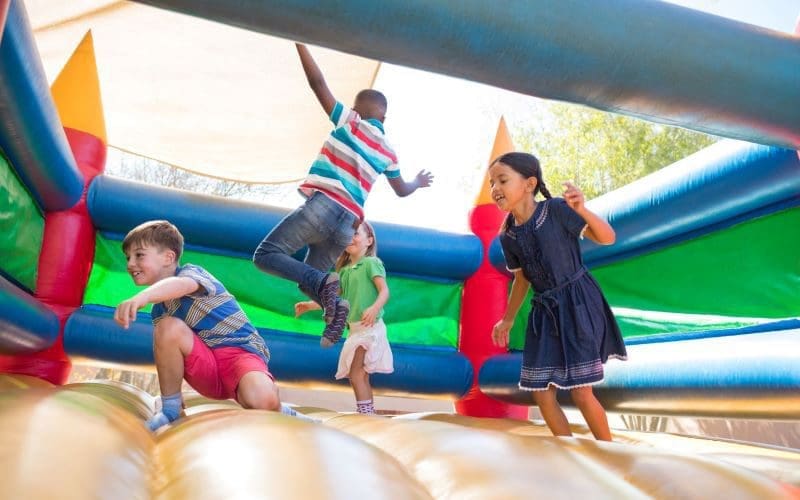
602	237
400	187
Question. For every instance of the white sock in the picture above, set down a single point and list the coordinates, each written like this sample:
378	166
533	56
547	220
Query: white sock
365	407
288	410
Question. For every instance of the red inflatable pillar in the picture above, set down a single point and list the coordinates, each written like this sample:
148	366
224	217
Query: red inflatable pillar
68	242
484	299
4	4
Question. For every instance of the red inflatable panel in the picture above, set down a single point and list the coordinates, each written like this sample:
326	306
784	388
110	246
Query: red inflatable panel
482	305
64	264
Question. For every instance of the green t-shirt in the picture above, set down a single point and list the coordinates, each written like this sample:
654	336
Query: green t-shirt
357	286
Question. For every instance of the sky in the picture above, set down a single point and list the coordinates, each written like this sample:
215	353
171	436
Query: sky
423	106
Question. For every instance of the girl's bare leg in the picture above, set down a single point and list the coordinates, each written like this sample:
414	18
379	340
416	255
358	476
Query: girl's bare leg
592	411
551	411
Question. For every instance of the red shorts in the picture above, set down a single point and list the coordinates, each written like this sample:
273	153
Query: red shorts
215	373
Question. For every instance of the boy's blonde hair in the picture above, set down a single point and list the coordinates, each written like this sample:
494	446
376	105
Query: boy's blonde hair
159	233
372	249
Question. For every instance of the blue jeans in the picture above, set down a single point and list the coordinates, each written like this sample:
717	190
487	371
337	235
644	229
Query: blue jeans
322	224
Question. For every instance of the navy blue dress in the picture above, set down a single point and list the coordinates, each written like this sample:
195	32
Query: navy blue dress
571	330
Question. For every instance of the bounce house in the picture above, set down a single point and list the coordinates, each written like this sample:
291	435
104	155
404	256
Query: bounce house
703	279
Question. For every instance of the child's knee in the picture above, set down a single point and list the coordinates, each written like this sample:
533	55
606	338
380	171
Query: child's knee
260	399
358	376
582	396
171	331
546	397
257	391
262	257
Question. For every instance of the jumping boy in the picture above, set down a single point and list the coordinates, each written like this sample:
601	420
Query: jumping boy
354	155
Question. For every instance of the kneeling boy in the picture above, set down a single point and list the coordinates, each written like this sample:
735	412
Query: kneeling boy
201	333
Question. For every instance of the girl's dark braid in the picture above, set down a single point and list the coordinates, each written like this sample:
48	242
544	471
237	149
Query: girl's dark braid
543	189
528	166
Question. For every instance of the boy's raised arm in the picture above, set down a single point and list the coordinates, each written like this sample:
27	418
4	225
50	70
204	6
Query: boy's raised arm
166	289
316	80
403	188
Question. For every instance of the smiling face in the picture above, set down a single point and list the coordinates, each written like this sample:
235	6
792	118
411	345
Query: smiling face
360	244
148	264
510	189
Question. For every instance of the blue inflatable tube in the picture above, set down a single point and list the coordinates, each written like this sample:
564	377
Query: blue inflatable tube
92	332
750	375
31	134
649	59
724	184
298	359
26	326
237	227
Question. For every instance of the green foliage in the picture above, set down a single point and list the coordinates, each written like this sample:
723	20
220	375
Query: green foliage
602	151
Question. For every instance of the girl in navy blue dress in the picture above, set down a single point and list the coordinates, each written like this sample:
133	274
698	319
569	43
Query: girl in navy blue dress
571	331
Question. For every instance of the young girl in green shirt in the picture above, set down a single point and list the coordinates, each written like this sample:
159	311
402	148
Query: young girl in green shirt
362	279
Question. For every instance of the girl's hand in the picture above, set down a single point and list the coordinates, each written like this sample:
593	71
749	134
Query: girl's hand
573	196
369	316
500	332
303	307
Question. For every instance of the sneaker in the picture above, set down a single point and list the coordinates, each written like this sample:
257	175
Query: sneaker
333	331
328	296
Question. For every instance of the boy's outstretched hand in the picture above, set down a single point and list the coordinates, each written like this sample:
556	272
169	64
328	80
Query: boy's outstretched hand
403	188
424	178
126	311
573	196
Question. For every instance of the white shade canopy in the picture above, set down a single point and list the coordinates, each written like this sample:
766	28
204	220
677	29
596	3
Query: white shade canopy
199	95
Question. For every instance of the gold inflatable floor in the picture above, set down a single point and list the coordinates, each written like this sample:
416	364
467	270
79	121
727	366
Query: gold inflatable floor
88	440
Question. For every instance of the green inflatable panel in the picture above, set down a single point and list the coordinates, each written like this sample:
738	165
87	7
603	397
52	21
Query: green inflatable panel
419	312
739	276
21	228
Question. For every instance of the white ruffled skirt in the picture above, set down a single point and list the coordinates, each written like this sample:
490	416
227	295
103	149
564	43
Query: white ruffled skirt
378	357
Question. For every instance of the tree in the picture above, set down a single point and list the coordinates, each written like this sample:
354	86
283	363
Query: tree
602	151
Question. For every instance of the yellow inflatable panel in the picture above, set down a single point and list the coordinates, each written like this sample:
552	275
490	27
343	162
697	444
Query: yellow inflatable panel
64	444
260	454
89	440
76	92
10	381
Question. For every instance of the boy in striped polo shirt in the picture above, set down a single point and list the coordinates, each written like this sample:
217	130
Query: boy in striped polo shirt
354	155
201	333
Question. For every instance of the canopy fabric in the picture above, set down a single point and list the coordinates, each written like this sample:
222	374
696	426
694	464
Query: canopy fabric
199	95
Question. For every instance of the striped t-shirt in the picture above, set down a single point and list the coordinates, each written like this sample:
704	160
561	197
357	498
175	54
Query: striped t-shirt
212	313
353	157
